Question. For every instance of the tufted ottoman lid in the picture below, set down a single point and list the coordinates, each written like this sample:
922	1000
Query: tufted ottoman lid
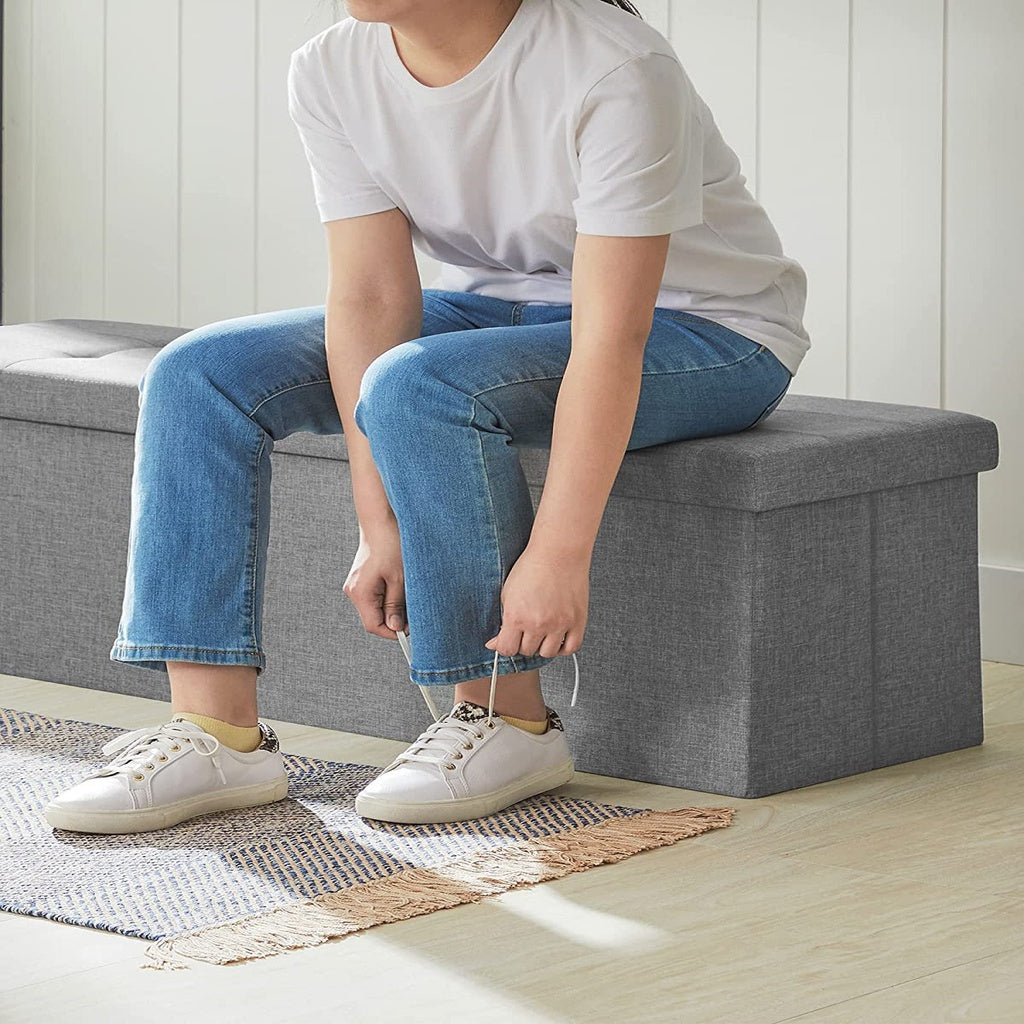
85	373
77	373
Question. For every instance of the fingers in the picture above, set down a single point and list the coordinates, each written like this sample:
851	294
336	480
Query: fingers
550	646
553	644
378	604
394	609
372	615
573	642
506	642
510	641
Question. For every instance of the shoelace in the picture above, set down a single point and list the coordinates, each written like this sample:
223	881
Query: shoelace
452	732
142	747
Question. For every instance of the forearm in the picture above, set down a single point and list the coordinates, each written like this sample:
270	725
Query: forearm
593	421
355	334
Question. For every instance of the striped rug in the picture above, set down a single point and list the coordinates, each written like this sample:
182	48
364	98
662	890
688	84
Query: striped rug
243	884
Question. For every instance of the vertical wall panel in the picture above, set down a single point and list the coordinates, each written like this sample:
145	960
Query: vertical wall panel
142	161
218	160
802	167
19	163
984	351
896	201
716	41
655	13
67	83
291	251
151	173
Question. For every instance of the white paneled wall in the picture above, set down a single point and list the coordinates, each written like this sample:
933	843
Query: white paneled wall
151	173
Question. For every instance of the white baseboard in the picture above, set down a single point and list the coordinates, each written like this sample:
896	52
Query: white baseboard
1001	597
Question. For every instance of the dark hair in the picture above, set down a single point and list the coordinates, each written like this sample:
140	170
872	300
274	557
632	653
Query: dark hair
626	6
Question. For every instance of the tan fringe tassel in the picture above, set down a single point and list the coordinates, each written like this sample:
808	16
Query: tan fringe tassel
416	891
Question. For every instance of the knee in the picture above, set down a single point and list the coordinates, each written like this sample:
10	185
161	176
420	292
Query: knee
175	360
192	359
392	386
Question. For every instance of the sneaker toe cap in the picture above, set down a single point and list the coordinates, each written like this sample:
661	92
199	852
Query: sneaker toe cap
101	794
407	783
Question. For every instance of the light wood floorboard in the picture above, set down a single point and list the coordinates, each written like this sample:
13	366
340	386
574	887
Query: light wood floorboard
894	896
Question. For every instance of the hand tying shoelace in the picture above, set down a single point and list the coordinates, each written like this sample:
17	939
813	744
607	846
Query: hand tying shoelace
403	641
469	762
441	740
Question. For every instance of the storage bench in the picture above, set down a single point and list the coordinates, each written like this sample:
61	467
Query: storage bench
770	609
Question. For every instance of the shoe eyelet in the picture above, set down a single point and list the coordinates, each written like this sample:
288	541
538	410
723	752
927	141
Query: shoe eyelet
140	777
479	735
162	758
491	725
149	767
176	747
466	746
450	767
457	756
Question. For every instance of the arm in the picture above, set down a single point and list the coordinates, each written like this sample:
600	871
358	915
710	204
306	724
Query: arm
357	331
639	141
374	302
374	299
615	286
614	290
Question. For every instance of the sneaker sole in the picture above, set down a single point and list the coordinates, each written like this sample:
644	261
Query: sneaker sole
148	819
464	808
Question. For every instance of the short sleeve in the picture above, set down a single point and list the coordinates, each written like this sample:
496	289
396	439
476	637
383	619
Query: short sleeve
342	185
640	145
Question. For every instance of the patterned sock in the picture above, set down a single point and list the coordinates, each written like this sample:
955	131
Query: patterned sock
526	724
239	737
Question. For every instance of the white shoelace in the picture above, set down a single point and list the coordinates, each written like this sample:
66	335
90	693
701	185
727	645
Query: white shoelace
142	748
439	743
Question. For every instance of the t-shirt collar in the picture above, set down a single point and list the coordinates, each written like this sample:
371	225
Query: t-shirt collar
514	33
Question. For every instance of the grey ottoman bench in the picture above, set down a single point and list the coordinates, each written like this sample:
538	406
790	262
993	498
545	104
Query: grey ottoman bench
771	609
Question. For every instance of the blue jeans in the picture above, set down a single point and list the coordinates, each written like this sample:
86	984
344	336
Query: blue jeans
443	413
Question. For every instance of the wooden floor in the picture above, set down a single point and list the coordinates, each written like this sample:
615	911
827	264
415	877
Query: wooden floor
894	896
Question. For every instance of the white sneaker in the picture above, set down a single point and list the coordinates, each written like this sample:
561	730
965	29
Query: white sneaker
467	764
167	773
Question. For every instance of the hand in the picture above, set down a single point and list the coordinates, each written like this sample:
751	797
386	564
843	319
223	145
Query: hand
543	600
376	582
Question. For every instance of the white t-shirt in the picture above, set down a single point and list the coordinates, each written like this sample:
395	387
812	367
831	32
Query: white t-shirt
579	118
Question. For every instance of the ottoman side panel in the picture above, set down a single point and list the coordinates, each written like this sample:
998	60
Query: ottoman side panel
66	496
665	665
323	668
927	631
812	702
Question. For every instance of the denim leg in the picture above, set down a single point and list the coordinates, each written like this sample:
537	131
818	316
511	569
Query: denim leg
211	404
452	474
445	414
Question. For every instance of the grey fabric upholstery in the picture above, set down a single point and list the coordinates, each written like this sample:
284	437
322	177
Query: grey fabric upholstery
769	610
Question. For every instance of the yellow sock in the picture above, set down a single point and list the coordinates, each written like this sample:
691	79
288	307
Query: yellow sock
540	727
239	737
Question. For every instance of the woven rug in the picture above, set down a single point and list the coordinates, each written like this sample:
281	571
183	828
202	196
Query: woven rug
243	884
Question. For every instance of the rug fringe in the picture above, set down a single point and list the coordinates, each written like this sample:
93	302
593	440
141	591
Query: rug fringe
416	891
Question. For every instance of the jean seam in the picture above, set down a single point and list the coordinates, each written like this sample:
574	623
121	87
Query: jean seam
120	645
645	373
490	501
455	309
765	413
255	542
281	391
479	666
